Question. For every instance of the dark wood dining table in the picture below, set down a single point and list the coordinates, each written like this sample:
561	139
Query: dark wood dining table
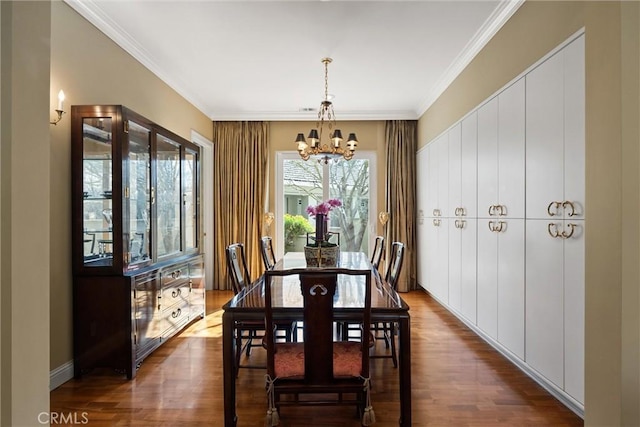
386	306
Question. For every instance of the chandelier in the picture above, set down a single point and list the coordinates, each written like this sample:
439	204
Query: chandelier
316	148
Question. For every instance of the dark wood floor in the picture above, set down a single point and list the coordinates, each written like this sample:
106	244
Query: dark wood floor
457	380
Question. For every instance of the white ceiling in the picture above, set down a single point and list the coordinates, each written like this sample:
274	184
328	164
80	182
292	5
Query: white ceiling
261	60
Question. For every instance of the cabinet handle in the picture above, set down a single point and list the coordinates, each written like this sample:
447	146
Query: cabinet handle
159	301
553	230
176	293
572	228
502	210
459	223
463	211
501	227
176	313
436	222
557	206
492	209
571	205
153	195
492	226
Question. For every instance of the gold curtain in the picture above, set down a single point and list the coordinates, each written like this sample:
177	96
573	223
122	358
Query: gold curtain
401	144
240	158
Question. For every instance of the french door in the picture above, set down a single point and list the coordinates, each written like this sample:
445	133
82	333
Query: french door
301	183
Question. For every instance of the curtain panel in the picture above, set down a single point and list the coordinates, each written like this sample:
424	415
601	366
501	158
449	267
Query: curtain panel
401	146
240	159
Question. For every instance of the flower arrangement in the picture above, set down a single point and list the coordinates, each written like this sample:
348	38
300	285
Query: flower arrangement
324	208
320	212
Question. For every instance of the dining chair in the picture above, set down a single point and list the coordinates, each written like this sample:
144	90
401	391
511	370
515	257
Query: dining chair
321	369
378	249
240	279
252	332
266	249
388	329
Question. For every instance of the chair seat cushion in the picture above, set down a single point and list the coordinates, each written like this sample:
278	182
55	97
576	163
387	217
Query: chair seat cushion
289	359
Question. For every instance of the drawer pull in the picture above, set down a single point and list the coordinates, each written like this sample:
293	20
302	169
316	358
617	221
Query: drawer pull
176	313
176	293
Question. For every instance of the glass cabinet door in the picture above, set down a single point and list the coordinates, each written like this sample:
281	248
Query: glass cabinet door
97	206
168	196
139	209
189	199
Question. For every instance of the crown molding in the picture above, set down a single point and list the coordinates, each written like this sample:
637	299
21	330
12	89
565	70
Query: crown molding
498	18
313	116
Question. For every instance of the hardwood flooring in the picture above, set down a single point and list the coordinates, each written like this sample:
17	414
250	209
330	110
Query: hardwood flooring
458	380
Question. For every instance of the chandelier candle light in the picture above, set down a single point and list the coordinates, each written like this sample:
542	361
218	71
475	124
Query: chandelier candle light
322	253
316	148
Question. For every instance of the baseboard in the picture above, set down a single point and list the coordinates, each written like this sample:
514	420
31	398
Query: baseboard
568	401
60	375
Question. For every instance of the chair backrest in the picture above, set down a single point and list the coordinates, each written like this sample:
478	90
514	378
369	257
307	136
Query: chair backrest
266	248
237	267
395	266
318	290
378	249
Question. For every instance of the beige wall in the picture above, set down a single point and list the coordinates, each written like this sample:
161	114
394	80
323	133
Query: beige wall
91	69
25	196
370	138
612	338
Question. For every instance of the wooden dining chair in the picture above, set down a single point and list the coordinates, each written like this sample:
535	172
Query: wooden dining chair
248	331
378	250
266	249
388	329
319	370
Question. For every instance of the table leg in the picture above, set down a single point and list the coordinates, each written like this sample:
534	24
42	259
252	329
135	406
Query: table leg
228	358
405	371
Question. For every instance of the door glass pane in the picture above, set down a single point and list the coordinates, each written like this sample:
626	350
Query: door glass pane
189	199
349	183
310	183
140	193
97	205
168	196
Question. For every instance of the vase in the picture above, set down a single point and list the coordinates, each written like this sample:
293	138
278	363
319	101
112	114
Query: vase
322	256
321	227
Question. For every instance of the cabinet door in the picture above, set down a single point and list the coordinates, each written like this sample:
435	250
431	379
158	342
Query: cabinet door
454	177
148	324
168	197
440	257
574	311
511	161
197	295
442	147
431	162
455	263
487	278
469	165
574	125
468	266
545	136
544	302
421	200
487	157
137	212
511	286
190	199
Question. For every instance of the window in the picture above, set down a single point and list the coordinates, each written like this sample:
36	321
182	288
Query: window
302	183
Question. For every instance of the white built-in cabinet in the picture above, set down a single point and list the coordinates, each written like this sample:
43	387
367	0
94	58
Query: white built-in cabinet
501	221
555	219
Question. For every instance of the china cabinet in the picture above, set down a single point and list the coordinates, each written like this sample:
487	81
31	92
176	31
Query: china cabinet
137	265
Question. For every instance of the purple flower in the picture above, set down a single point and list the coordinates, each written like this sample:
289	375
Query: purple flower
323	208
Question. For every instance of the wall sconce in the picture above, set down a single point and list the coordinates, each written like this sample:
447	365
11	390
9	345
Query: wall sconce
268	219
60	109
383	217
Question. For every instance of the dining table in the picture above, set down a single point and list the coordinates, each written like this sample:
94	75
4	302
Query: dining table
386	306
